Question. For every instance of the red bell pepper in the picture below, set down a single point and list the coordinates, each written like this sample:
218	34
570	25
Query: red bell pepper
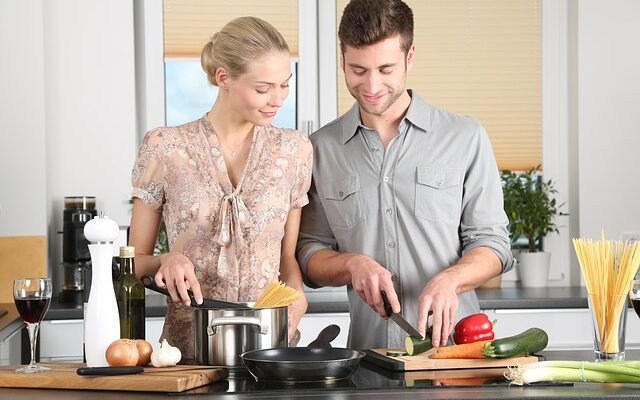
473	328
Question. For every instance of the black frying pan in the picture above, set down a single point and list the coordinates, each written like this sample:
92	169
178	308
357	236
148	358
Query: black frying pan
314	363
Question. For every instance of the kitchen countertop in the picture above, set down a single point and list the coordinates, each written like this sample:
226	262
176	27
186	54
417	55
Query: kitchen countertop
381	386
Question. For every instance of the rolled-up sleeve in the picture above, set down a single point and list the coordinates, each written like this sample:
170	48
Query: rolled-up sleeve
315	233
484	222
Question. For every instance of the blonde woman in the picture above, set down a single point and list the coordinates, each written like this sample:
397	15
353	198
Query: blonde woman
229	185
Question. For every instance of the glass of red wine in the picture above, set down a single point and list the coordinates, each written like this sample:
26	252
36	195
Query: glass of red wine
32	297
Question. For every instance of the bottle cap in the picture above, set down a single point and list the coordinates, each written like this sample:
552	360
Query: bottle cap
127	251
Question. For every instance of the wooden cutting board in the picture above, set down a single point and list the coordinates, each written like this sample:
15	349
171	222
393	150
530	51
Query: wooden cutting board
64	376
423	362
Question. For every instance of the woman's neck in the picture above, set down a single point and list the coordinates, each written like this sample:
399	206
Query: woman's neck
228	127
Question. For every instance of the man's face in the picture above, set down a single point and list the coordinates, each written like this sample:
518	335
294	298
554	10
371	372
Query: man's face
376	75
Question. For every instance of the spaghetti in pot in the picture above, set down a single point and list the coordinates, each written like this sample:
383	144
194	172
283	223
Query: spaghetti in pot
608	268
277	294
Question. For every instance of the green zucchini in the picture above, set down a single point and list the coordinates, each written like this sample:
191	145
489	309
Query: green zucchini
530	341
416	346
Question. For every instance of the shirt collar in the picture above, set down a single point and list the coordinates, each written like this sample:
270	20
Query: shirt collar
418	114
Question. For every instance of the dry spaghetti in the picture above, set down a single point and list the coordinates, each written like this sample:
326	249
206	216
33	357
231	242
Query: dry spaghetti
277	294
608	268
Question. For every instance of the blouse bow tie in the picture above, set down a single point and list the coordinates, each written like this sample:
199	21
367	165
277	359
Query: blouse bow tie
233	217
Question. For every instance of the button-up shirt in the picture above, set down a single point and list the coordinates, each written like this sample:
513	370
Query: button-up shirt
415	207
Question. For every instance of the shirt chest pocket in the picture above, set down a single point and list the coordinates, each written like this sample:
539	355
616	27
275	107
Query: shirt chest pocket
438	194
342	202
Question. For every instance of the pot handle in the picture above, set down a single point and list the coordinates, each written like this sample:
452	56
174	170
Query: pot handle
221	321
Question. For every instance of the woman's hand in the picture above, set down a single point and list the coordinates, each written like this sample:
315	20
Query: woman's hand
177	275
296	312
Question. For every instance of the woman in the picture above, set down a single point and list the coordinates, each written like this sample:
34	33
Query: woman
229	185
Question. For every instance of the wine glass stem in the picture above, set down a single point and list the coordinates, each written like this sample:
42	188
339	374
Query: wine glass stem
33	336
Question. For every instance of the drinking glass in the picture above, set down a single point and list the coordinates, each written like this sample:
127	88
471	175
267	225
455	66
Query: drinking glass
32	297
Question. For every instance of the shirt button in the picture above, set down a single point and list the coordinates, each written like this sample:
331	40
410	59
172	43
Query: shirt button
374	149
391	244
388	211
340	194
386	179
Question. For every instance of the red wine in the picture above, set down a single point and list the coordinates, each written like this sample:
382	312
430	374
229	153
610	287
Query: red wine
32	309
636	305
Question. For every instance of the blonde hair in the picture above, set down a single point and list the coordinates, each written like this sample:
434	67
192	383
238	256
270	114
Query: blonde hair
240	42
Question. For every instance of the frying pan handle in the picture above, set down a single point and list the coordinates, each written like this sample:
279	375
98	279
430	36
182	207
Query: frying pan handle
325	337
222	321
149	281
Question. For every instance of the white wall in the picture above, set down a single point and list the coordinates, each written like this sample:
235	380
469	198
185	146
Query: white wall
90	107
609	117
22	125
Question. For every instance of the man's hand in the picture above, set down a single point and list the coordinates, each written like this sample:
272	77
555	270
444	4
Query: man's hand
440	300
177	274
369	279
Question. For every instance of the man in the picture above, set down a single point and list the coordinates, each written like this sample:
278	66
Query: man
406	197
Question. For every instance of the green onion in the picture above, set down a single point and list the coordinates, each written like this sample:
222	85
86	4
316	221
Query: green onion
576	371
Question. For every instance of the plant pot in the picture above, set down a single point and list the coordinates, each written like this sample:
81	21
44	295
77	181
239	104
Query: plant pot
534	268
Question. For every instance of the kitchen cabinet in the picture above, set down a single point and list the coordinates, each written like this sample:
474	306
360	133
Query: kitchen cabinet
568	329
10	347
62	339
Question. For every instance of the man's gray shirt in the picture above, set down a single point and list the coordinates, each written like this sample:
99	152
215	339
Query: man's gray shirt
415	207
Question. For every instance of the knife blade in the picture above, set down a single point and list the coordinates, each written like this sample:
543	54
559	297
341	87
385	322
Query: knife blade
399	319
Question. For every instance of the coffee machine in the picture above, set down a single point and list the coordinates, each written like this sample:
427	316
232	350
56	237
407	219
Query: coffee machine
76	260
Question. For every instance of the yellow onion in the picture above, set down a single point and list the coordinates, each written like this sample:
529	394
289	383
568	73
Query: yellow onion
144	352
122	353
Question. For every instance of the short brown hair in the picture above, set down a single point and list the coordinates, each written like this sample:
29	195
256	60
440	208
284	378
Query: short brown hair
367	22
240	42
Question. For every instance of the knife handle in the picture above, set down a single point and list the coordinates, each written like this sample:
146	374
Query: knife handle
109	370
387	306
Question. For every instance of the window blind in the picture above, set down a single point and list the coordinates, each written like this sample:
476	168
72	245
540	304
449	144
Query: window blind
480	58
188	24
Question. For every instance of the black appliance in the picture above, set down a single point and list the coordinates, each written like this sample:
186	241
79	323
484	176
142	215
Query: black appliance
76	259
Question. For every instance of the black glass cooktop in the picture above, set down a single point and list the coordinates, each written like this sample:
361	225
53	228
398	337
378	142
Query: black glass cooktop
368	376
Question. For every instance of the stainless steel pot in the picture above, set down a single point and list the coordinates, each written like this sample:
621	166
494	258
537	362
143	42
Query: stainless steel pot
222	335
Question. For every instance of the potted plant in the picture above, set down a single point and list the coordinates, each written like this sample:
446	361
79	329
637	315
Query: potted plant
531	208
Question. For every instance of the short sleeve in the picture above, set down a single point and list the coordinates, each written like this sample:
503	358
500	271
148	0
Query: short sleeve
147	177
302	183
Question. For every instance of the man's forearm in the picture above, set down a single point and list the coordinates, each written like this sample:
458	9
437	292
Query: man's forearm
474	268
328	267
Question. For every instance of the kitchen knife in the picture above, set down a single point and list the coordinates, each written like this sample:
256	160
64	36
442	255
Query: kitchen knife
399	319
149	282
105	371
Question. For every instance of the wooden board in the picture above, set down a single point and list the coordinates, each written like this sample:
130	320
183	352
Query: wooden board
423	362
64	376
22	257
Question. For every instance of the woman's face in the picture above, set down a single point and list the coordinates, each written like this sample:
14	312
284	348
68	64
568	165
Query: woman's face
260	91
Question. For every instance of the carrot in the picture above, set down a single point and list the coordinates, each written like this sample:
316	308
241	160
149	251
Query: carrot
481	380
467	350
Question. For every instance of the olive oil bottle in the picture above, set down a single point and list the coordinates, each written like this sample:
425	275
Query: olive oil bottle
130	296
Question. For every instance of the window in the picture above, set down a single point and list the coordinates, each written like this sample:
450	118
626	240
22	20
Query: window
188	24
480	58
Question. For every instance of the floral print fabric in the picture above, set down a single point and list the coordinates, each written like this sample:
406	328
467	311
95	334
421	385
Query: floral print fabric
231	235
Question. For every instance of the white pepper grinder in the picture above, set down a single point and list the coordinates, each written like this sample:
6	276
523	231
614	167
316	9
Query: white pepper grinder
102	322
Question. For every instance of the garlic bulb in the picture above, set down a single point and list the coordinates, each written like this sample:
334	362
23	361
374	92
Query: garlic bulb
166	355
